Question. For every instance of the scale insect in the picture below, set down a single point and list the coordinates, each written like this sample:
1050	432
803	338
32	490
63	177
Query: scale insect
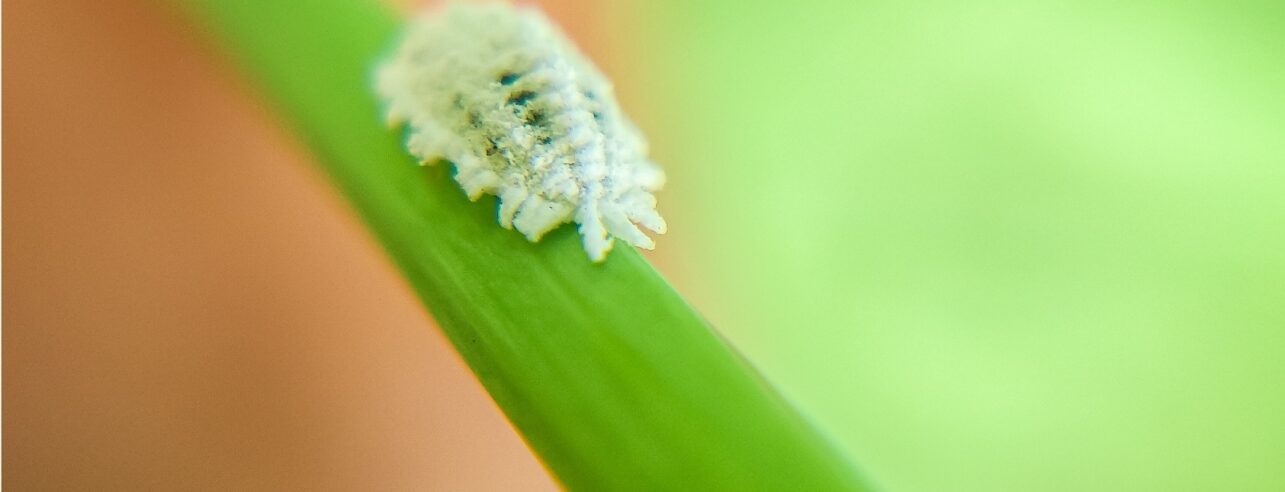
501	93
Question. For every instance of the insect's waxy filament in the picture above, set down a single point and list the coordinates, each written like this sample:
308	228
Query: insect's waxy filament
500	93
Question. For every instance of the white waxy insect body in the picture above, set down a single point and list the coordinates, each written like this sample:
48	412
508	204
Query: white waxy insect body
499	92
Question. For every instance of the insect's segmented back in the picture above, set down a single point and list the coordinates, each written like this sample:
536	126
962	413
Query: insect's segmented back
499	92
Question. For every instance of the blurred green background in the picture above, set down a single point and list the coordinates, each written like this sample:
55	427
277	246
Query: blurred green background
985	245
989	245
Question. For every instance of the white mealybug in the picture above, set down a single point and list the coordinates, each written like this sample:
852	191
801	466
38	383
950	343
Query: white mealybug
499	92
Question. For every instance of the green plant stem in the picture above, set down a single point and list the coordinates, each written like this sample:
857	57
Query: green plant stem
607	373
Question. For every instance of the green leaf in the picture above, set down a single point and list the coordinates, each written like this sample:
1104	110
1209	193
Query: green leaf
607	373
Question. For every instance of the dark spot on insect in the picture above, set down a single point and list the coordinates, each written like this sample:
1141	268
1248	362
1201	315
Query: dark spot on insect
491	147
535	117
597	115
508	78
590	96
520	98
546	140
474	119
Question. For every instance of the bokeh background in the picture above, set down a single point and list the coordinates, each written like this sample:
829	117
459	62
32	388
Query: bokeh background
985	245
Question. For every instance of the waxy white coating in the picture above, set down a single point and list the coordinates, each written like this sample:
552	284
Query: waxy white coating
499	92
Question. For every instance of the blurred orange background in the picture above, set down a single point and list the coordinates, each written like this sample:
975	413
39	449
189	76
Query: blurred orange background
170	323
1000	245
